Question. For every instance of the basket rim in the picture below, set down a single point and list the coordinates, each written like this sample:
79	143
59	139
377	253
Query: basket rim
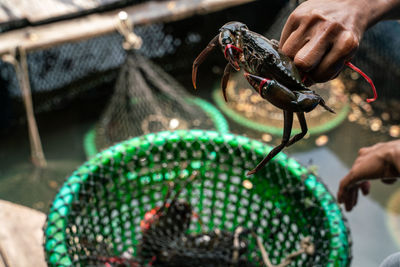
55	245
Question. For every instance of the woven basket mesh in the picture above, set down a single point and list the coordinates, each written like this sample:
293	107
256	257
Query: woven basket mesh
98	211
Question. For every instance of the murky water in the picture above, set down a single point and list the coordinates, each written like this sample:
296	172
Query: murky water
373	229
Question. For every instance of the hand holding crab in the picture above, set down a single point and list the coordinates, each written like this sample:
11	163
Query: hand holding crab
271	73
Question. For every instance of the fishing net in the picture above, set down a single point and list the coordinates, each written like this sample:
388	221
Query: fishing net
103	213
146	99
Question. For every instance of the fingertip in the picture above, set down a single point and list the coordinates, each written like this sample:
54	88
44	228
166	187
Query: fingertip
355	198
365	188
339	196
347	206
303	61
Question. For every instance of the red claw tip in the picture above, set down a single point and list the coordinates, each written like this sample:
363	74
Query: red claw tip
229	46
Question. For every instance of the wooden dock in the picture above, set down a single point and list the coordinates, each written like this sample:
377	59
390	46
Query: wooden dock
46	10
21	236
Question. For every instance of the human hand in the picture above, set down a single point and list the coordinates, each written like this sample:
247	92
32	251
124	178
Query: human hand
381	161
321	35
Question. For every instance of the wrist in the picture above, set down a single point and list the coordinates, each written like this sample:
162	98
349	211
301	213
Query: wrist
377	10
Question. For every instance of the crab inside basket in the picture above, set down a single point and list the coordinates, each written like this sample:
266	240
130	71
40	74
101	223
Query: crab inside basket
98	215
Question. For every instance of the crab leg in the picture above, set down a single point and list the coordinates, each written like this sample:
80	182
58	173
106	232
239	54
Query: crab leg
303	125
287	129
200	58
225	79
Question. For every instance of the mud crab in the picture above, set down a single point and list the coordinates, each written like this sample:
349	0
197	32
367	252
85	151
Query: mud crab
271	73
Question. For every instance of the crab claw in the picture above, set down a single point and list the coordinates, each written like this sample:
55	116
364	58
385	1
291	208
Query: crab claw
256	81
201	57
232	54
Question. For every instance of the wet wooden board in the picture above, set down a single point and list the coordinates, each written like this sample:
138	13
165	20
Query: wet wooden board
39	10
21	236
93	25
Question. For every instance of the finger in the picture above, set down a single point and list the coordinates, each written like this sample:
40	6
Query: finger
351	199
355	197
324	72
333	61
365	187
348	200
294	42
311	53
374	147
364	150
341	193
352	196
344	187
323	36
291	25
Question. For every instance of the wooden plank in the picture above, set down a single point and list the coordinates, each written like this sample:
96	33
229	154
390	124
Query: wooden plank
35	11
21	236
90	26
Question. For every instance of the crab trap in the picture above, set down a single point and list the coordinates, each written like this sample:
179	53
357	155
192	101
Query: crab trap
182	199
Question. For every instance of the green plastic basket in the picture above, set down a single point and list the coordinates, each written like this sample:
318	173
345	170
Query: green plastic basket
105	199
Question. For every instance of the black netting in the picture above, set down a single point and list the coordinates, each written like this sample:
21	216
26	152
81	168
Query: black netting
146	99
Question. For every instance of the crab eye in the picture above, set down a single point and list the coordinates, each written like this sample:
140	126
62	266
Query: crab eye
226	37
227	40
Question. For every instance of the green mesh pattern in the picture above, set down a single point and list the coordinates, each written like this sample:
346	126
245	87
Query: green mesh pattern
103	202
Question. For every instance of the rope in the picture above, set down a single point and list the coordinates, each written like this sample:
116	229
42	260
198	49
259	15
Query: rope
125	27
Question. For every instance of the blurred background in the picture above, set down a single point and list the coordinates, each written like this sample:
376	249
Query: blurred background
69	55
